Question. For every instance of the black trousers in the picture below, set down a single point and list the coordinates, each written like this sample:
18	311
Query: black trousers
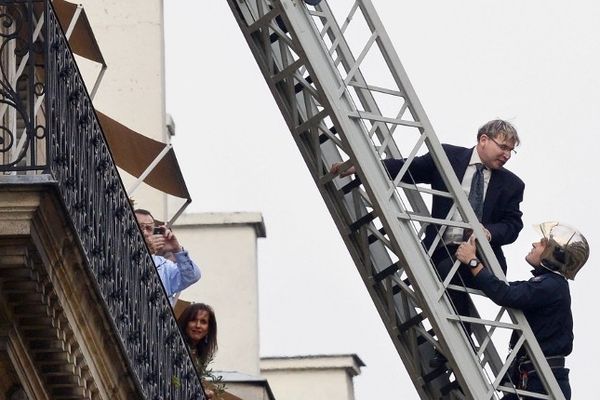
443	259
534	384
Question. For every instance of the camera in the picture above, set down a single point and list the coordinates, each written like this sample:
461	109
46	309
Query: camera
158	230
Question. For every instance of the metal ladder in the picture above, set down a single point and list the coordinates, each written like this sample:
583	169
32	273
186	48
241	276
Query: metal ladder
336	112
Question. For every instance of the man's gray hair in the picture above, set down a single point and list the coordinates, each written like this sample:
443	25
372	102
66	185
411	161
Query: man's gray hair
499	128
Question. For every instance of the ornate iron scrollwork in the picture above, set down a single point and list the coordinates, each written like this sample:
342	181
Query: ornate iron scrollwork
22	87
49	103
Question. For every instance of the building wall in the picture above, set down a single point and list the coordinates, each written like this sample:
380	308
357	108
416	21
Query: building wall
248	391
327	377
131	38
224	245
309	384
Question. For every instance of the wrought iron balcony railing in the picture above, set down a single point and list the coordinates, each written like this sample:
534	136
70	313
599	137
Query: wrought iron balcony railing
48	126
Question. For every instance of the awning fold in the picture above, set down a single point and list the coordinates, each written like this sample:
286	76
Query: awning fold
81	39
134	152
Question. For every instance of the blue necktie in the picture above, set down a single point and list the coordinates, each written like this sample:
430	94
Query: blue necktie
476	192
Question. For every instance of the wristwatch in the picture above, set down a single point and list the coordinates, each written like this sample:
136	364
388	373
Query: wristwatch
473	263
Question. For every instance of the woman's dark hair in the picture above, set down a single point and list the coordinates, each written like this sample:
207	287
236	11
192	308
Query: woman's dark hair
207	347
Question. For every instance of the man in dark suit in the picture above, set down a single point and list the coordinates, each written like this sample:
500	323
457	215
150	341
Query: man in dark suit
503	190
498	211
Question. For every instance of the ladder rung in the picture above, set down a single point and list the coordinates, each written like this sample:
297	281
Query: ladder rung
381	275
411	322
323	138
287	71
312	122
299	86
421	339
373	238
262	22
362	221
351	186
436	373
449	387
281	24
397	289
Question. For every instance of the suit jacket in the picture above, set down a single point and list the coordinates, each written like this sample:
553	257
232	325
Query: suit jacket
501	213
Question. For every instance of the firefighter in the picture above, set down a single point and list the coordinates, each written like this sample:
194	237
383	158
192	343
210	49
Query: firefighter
544	299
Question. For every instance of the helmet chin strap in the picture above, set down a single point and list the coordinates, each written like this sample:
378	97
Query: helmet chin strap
550	267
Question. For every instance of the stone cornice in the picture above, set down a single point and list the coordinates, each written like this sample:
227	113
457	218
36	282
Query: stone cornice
57	322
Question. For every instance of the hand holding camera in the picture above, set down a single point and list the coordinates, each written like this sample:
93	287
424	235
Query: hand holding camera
164	241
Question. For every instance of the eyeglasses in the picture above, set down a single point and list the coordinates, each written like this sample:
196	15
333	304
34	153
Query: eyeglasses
505	148
146	227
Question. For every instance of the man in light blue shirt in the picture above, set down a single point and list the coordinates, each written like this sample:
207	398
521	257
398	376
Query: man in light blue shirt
176	269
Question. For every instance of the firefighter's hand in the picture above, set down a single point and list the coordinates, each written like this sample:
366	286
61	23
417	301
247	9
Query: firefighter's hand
467	251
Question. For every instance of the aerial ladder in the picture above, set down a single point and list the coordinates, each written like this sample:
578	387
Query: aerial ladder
338	110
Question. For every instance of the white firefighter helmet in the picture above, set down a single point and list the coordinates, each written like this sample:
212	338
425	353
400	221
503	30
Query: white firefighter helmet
566	251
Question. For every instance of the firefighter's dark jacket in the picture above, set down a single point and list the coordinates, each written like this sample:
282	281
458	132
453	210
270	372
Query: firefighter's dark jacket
544	299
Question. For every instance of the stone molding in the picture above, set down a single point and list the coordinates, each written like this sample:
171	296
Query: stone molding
68	342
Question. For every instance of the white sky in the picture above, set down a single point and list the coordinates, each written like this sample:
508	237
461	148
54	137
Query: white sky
534	63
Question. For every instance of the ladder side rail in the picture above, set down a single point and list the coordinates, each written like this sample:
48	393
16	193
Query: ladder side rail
285	106
346	59
369	258
459	190
423	278
353	247
398	308
366	98
287	102
375	260
289	116
494	355
396	304
376	181
320	166
393	61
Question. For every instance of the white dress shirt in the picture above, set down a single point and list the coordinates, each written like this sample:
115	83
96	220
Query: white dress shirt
455	235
